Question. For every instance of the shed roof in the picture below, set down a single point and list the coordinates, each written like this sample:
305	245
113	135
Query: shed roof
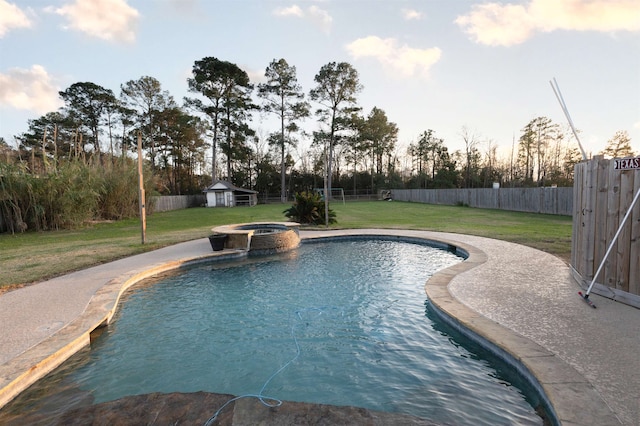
222	185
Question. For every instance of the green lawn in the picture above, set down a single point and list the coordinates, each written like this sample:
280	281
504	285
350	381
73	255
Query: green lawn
34	256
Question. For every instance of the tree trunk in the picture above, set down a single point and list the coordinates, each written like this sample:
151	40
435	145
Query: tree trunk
283	167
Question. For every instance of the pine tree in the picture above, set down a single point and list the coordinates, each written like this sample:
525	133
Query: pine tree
619	146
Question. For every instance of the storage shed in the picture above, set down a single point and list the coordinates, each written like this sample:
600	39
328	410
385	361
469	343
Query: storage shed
224	194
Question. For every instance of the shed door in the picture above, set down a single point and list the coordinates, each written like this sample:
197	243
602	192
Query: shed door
220	198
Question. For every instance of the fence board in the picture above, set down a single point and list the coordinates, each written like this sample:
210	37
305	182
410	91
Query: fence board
613	213
600	211
624	239
576	236
589	218
584	187
634	252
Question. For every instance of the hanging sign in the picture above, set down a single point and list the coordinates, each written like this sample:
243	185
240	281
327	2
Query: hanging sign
626	163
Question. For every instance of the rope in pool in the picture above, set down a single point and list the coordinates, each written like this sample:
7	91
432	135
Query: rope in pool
268	401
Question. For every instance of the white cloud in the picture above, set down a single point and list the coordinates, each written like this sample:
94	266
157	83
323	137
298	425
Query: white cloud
289	11
494	24
29	89
111	20
11	17
410	14
256	76
587	15
404	60
499	24
319	17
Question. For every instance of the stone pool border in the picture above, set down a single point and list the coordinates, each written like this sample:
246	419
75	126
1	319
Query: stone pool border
572	398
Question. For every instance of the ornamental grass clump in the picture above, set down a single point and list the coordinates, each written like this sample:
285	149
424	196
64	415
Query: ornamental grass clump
69	194
308	209
61	199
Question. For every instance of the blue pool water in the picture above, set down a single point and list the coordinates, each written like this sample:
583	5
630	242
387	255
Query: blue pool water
349	320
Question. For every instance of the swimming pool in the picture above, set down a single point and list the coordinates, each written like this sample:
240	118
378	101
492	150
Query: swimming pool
349	320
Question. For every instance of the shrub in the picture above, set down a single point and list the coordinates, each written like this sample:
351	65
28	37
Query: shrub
308	208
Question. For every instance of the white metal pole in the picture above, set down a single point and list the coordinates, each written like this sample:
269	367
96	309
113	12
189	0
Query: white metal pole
613	241
556	90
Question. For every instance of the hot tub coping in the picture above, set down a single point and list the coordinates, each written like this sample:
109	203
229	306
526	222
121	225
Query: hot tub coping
239	234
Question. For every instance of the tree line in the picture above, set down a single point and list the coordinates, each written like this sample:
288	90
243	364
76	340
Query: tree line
209	136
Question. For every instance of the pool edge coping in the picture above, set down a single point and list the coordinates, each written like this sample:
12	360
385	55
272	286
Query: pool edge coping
571	396
19	373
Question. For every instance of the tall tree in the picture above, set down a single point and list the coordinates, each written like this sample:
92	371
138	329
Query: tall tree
56	129
537	136
88	103
430	155
489	171
227	88
337	85
356	146
619	146
283	97
471	156
447	175
572	157
237	113
382	135
432	147
146	98
416	152
557	153
180	138
127	118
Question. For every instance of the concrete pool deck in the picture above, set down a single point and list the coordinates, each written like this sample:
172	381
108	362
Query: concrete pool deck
522	300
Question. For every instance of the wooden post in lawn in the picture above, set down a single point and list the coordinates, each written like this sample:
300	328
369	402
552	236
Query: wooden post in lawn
141	201
325	189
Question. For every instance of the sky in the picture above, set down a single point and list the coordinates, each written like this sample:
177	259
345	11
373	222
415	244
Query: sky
444	65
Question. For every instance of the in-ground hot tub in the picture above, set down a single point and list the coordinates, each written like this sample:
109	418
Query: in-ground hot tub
261	237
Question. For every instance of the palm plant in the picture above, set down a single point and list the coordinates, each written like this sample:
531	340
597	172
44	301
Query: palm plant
307	208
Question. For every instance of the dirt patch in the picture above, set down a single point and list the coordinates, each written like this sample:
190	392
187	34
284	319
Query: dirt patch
10	287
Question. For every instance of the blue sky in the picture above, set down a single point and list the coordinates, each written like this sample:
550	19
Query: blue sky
429	64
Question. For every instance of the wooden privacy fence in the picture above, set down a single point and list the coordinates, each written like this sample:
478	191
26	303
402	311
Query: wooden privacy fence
533	200
176	202
602	196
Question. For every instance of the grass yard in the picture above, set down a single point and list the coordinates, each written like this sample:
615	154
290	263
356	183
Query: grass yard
35	256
